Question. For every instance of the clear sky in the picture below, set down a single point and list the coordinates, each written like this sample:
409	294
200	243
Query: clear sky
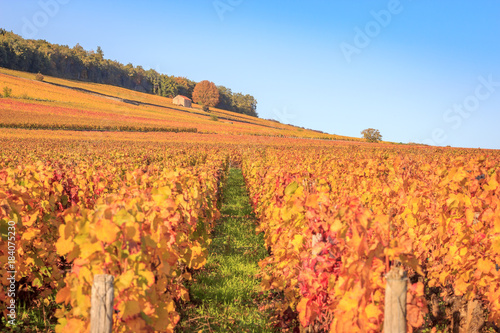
419	71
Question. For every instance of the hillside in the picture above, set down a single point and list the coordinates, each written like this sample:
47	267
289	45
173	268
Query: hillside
68	104
41	56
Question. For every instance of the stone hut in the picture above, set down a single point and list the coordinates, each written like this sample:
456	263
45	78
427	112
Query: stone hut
182	101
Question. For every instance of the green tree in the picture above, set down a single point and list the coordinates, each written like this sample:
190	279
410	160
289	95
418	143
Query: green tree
206	93
371	135
100	53
225	99
168	86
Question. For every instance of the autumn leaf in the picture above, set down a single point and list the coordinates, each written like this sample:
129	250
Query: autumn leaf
64	245
129	308
304	311
64	295
291	188
106	231
297	242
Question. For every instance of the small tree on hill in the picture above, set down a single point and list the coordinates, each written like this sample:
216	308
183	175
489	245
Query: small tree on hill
7	92
371	135
206	93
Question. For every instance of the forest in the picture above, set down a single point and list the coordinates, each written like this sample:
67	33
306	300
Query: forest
76	63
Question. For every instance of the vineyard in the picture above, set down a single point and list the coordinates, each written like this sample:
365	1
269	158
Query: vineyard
336	219
74	105
135	192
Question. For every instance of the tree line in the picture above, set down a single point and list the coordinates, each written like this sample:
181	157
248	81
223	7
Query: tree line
76	63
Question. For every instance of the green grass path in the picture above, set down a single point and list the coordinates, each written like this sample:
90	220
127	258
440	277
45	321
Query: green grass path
225	294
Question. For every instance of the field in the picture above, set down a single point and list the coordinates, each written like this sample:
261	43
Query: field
243	224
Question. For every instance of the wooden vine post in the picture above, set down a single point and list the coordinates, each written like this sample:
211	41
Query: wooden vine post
101	312
395	301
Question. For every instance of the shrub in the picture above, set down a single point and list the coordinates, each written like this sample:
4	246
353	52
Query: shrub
7	92
206	108
214	118
39	77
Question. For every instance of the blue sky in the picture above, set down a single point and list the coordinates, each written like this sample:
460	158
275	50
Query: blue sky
418	71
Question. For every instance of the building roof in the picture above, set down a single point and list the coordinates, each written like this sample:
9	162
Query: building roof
183	97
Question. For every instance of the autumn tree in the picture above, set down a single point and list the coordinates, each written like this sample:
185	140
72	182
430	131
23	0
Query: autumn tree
206	93
371	135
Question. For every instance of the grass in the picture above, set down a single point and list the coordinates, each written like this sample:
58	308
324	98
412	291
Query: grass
33	319
225	295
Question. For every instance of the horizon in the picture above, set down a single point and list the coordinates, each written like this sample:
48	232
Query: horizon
333	67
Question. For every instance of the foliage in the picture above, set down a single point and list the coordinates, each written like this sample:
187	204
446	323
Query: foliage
206	94
371	135
143	217
214	117
335	217
335	221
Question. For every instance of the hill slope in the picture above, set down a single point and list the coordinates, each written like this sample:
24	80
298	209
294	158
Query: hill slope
67	104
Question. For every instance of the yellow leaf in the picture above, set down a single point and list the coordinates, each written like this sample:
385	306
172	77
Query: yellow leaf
87	249
297	242
347	304
452	202
32	220
123	217
106	231
30	234
291	188
442	277
125	280
492	184
460	286
36	283
453	249
372	311
336	226
149	276
64	245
